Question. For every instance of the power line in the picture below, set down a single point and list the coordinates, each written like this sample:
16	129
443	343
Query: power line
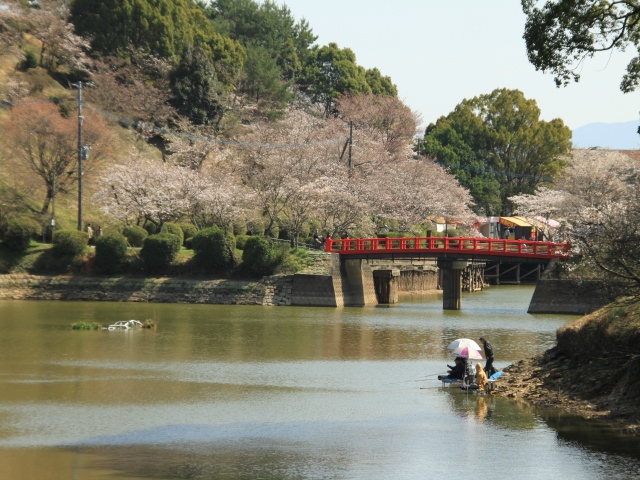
147	126
136	124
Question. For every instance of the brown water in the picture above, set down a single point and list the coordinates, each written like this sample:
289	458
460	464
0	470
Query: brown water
281	392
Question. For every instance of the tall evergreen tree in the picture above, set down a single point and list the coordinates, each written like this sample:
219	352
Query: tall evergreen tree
497	146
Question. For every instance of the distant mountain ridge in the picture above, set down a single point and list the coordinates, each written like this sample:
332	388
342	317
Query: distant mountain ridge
617	136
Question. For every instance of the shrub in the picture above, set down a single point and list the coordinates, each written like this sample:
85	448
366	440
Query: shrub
159	251
111	253
70	242
135	235
258	256
214	249
151	228
173	229
239	226
188	243
30	61
241	240
18	233
189	230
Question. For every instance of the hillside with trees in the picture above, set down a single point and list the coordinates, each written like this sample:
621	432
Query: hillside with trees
224	116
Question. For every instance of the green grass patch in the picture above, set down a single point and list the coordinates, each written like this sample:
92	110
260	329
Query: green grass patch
85	326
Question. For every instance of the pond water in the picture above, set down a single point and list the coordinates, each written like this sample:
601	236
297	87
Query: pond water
238	392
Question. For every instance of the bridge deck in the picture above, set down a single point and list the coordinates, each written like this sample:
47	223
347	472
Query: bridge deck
459	247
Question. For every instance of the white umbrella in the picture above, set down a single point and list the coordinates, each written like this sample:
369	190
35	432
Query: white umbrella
464	342
467	352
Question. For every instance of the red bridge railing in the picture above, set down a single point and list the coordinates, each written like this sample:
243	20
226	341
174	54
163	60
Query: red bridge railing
442	245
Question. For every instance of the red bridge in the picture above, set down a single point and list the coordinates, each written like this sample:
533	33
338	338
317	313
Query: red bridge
453	255
456	247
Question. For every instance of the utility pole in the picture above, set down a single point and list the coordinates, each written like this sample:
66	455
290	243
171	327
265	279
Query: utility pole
80	152
350	144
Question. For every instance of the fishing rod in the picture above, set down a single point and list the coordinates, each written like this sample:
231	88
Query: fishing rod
422	379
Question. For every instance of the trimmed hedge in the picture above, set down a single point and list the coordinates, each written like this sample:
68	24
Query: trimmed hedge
241	241
214	249
151	228
135	235
111	253
189	230
173	229
258	256
18	233
70	242
159	251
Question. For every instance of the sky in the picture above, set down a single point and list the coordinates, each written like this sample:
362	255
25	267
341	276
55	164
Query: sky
440	52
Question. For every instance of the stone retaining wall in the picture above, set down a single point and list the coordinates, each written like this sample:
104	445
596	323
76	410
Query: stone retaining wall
569	297
275	290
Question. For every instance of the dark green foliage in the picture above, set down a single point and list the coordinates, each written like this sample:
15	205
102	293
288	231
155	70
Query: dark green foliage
63	106
159	251
135	235
258	256
197	92
188	243
18	232
560	34
331	73
497	146
262	79
173	229
188	230
266	24
379	84
151	228
111	253
241	241
214	249
69	242
163	28
30	61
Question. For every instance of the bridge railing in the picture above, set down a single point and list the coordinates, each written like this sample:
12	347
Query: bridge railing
439	245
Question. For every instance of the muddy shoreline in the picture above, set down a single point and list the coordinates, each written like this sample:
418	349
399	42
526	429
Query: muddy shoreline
604	388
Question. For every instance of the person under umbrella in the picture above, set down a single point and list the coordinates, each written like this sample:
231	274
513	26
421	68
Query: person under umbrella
456	372
488	353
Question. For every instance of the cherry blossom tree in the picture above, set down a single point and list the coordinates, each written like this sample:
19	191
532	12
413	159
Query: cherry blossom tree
143	189
386	119
41	141
598	201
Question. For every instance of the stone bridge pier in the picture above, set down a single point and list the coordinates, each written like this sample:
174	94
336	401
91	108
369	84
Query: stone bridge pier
452	282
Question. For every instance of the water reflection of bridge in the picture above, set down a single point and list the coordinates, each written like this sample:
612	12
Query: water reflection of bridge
452	256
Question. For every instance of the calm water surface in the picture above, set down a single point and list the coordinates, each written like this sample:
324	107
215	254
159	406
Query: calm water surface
235	392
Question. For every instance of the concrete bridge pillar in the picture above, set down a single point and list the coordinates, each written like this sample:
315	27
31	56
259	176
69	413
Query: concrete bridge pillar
386	285
357	284
452	282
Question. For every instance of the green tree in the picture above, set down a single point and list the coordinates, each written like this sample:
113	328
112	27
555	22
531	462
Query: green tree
562	33
330	73
198	94
379	84
161	27
262	78
497	146
267	25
